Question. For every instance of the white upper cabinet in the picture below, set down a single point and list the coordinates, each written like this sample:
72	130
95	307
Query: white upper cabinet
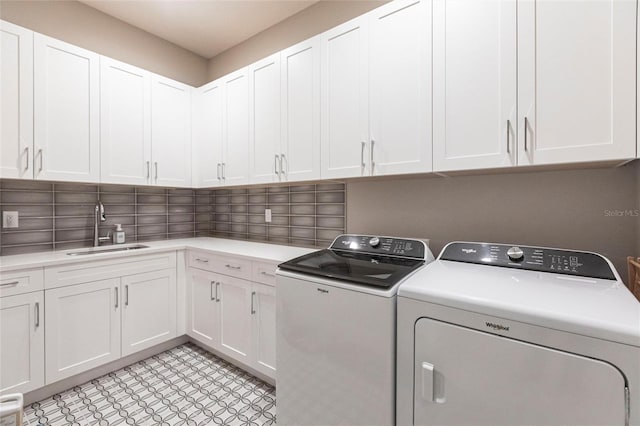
264	120
344	99
400	87
235	165
300	102
576	81
208	134
474	84
16	97
125	123
170	132
66	111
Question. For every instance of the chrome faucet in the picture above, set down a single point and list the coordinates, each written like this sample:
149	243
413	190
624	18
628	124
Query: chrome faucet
98	216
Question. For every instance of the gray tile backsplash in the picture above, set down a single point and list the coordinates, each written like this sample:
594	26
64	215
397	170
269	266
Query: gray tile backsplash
60	215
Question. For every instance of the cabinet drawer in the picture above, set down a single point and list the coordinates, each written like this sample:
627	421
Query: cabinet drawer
265	273
22	281
83	272
227	265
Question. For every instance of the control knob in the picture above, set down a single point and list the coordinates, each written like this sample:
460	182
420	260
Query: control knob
515	253
374	242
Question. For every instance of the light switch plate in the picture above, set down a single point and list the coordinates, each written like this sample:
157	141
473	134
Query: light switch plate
9	219
267	215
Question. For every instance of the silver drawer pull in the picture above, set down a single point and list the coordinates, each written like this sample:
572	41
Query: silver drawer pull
267	274
233	267
202	260
11	283
37	314
253	294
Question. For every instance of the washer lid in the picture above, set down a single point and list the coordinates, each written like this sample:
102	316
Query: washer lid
594	307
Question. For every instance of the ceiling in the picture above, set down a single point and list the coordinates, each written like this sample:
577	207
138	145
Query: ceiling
205	27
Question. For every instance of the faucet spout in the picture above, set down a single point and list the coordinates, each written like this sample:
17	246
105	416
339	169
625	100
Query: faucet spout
98	216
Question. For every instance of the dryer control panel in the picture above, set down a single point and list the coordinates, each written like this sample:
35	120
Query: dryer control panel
567	262
387	246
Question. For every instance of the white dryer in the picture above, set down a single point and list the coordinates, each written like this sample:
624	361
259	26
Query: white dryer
491	334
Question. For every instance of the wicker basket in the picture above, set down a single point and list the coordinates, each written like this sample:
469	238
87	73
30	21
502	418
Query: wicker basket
634	276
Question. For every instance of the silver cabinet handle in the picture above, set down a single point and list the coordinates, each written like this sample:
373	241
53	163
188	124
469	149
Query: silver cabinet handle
508	139
11	283
282	159
202	260
217	294
156	164
526	126
126	295
362	155
267	274
211	296
116	297
371	155
218	171
253	311
148	169
233	266
26	154
224	171
275	165
37	314
41	154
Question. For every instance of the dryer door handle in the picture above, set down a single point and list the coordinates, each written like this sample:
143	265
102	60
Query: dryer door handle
427	381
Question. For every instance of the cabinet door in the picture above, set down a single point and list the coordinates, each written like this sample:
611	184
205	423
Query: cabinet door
148	310
235	318
263	310
207	134
16	113
203	323
576	86
170	132
235	167
400	87
344	100
474	84
125	123
66	111
22	342
300	114
264	120
83	327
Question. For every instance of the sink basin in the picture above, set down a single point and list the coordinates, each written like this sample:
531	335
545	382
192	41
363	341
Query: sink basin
106	250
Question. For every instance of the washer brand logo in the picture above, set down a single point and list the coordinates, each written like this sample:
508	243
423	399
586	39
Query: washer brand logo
469	251
322	290
497	327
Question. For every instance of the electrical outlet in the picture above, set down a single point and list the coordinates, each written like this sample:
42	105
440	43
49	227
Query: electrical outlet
267	215
9	219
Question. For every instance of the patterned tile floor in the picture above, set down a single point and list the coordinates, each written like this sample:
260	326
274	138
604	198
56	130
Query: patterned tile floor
182	386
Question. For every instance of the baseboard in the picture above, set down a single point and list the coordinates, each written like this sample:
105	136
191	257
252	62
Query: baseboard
235	362
78	379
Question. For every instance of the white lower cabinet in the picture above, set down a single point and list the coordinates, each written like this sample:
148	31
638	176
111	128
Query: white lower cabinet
83	327
233	316
148	310
21	342
263	309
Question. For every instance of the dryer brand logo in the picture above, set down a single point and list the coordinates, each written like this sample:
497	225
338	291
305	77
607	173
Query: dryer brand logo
468	250
497	327
322	290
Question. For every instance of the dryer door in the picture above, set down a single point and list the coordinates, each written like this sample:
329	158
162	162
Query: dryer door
464	376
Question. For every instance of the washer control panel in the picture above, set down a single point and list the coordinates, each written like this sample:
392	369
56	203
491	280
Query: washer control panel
389	246
540	259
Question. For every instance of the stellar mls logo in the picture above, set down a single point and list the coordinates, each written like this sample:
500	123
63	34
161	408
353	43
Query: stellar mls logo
497	327
469	250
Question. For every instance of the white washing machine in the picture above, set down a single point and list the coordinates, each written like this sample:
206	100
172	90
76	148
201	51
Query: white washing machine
491	334
335	331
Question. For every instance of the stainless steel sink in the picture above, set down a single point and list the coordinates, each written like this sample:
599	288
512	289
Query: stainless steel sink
106	250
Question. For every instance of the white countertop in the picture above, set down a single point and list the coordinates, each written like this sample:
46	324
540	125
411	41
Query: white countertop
247	249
